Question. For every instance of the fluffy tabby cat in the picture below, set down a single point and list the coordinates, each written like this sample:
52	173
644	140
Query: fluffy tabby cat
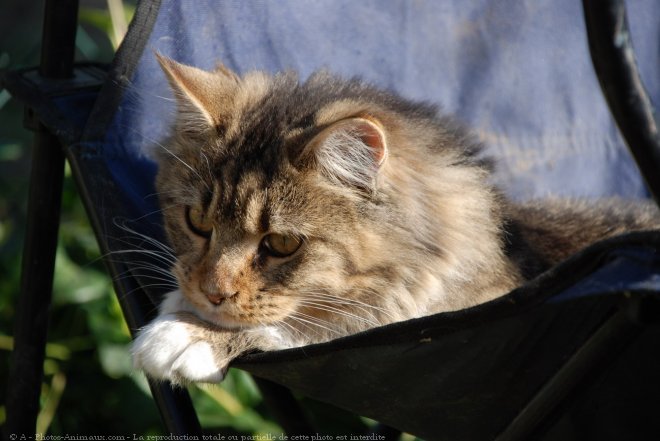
299	212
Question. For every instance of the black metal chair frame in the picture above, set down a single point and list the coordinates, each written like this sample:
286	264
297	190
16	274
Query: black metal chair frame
58	75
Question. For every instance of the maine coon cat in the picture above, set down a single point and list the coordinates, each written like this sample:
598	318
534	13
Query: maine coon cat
300	212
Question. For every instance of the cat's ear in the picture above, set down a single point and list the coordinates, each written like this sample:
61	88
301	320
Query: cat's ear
203	97
350	152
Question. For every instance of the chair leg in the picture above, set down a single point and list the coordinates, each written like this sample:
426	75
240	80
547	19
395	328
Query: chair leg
285	408
31	319
44	200
176	410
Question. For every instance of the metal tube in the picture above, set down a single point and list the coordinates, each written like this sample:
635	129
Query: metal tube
58	42
612	54
44	201
31	319
285	408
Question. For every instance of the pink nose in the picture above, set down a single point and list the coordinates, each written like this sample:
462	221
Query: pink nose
218	297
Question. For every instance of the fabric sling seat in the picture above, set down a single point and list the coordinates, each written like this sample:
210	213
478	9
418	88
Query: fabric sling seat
573	354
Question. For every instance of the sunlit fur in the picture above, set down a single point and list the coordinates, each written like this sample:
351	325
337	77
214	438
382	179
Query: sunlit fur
395	210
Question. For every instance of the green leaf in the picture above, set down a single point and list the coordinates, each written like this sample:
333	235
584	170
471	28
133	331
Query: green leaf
115	360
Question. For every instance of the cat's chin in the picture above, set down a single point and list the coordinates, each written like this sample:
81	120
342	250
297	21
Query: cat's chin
225	321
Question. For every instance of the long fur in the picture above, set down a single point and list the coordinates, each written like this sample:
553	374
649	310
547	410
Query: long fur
394	210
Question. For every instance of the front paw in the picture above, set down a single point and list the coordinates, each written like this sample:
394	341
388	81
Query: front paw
175	348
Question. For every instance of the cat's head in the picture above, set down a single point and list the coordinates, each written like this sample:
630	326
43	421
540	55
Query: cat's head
287	199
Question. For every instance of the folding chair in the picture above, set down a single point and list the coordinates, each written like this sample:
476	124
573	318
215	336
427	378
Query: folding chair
573	354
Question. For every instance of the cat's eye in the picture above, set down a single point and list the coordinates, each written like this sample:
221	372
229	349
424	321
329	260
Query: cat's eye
280	245
198	222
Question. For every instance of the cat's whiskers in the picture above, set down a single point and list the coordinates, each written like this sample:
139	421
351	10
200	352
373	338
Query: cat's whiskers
309	326
167	207
149	285
370	292
287	328
344	297
171	153
141	93
157	259
140	268
283	327
346	301
325	307
163	275
166	258
130	274
175	192
315	321
169	283
336	304
160	210
208	163
149	239
154	268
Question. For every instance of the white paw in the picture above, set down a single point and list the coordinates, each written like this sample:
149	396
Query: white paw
197	364
173	302
167	349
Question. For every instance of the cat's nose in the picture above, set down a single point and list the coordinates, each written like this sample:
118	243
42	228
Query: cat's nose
218	297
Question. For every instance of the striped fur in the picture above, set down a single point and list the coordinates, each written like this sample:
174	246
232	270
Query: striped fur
392	204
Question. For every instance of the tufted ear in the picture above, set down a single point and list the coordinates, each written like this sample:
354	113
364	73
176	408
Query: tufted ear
350	152
203	97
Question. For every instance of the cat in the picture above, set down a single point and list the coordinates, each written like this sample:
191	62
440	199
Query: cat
300	212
